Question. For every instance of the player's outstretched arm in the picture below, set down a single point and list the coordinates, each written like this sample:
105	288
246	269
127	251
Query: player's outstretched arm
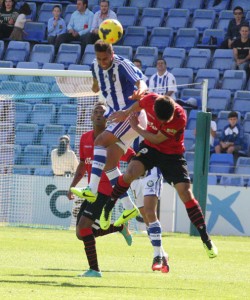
95	86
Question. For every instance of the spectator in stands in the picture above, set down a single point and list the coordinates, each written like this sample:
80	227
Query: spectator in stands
231	138
79	26
17	33
233	30
64	160
241	49
137	62
163	82
8	16
56	25
104	13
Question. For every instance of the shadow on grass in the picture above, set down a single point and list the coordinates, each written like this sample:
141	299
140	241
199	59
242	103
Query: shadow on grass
106	271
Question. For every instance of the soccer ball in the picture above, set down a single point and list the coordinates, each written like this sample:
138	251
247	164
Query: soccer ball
110	31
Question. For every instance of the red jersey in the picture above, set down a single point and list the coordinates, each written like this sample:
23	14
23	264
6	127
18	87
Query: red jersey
174	130
86	151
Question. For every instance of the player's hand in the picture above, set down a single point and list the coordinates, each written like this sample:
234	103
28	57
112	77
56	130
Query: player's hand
70	195
133	120
118	116
137	95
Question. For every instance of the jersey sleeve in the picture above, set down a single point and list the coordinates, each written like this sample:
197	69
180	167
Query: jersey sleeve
130	71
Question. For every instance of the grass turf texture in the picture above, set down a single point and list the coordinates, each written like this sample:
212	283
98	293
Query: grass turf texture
43	264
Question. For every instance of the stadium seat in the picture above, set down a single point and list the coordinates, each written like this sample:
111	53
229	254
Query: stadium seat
198	59
218	100
223	60
11	88
67	115
234	80
191	4
26	134
43	171
189	139
232	181
51	134
177	18
70	8
211	179
223	114
152	17
22	111
221	163
147	55
51	66
125	51
115	4
174	57
211	74
243	166
222	5
189	156
34	155
88	55
141	4
150	71
245	4
57	97
17	51
127	16
5	64
1	48
17	154
191	93
45	12
166	5
241	102
26	65
245	151
92	3
182	76
68	54
224	18
248	16
79	67
135	36
32	6
35	32
36	92
43	114
217	35
22	171
42	54
246	123
161	37
72	134
203	19
186	38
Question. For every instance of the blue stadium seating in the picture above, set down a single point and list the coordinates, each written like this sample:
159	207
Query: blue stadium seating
43	114
57	97
147	55
127	16
183	76
222	5
141	4
11	88
42	54
203	19
88	55
67	115
35	31
22	171
26	134
135	36
191	93
25	65
245	4
186	38
248	16
78	67
191	4
17	154
189	139
161	37
150	71
45	12
1	48
243	165
5	64
68	54
189	156
177	18
222	60
17	51
125	51
33	8
221	163
43	171
232	181
224	17
211	179
219	34
211	74
152	17
36	92
51	134
245	151
241	102
218	100
51	66
92	3
174	57
166	5
34	155
23	111
70	8
234	80
72	134
115	4
198	59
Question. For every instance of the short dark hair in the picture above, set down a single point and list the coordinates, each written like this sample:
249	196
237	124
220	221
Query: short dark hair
25	9
164	107
107	1
238	8
137	60
233	114
101	46
57	6
244	25
84	2
161	59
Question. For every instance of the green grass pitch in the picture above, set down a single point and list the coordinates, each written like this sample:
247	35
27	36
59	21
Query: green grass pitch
43	264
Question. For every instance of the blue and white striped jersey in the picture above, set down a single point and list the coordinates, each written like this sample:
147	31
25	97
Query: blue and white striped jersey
118	82
163	84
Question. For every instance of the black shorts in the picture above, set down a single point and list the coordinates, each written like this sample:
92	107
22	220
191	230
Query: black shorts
173	167
92	210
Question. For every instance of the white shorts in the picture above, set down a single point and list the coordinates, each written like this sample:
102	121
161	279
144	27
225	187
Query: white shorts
150	185
125	133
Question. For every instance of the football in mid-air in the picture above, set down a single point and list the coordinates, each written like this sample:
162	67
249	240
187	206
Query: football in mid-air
110	31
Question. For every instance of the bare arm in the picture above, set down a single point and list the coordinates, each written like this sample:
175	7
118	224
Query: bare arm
141	85
95	86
